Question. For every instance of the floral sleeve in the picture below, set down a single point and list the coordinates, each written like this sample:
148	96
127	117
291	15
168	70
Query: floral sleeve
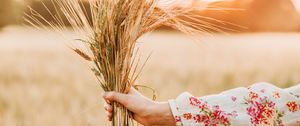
261	104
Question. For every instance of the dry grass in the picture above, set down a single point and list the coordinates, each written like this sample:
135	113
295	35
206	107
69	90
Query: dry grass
44	84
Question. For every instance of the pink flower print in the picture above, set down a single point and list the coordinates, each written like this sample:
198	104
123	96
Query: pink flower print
202	118
217	107
214	117
233	98
253	96
276	94
196	102
177	119
261	110
233	113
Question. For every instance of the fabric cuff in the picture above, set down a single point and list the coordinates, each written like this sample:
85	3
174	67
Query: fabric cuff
174	109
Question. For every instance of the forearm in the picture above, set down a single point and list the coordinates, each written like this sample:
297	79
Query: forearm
162	114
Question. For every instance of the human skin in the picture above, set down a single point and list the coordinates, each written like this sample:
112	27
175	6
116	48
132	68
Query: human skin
145	111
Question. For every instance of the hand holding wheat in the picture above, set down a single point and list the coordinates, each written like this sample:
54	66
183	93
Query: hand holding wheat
145	111
110	34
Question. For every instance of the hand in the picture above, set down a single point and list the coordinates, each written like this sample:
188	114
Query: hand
145	111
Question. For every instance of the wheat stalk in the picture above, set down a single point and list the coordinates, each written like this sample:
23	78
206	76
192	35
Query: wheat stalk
111	34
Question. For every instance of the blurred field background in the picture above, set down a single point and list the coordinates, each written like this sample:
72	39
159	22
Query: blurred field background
43	83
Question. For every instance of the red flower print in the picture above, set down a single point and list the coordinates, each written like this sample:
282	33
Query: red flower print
276	94
219	117
253	96
262	110
177	119
214	117
269	112
293	106
201	118
233	98
196	102
210	115
187	116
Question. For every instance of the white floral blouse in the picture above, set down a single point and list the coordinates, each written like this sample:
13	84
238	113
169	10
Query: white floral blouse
261	104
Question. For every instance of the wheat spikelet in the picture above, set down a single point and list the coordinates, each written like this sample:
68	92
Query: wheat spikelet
82	54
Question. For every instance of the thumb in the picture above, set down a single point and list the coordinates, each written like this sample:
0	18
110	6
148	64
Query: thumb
117	97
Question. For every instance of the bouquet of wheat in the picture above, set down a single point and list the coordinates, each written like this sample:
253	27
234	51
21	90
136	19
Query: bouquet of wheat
110	35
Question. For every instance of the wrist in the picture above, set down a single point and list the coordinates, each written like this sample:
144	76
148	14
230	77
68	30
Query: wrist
163	114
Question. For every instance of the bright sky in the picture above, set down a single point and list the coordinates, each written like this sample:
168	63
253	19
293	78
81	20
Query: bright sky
297	4
184	3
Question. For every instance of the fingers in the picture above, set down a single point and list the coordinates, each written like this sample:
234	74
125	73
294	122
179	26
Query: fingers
115	96
108	108
109	115
108	111
109	98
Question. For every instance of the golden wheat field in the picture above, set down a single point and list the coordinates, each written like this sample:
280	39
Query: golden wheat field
43	83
